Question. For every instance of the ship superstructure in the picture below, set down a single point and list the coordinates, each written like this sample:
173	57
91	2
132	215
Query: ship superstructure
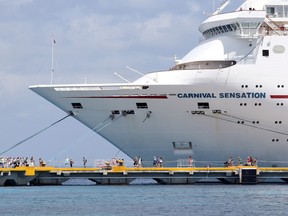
226	97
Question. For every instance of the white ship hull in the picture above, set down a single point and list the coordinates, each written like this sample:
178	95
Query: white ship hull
208	112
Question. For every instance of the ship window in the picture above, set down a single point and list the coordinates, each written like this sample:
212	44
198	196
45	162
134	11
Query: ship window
130	112
115	112
265	52
204	105
127	112
77	105
142	105
270	11
229	28
182	145
285	11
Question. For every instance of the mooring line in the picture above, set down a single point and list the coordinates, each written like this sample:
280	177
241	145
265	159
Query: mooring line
30	137
92	131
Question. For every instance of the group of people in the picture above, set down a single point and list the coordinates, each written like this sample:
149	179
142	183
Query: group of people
250	162
117	162
13	162
69	162
157	161
137	161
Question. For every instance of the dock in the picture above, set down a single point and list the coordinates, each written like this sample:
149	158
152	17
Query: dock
122	175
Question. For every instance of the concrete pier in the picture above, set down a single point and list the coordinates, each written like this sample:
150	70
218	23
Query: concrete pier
119	175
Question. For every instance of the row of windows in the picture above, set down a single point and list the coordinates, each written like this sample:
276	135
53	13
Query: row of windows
260	104
230	28
260	86
245	104
201	105
220	30
256	86
277	140
139	106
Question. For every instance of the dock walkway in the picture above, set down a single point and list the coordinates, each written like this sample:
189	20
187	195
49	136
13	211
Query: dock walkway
116	175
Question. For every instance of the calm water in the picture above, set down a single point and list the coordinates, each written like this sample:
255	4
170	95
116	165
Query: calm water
148	199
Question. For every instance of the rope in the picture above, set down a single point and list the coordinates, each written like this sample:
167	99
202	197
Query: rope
79	141
30	137
247	125
251	50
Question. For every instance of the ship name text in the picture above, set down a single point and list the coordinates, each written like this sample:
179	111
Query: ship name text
223	95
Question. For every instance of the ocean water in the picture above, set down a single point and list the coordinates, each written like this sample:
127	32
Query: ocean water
145	199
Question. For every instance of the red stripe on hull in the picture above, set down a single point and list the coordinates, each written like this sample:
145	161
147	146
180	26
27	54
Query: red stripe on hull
126	97
279	96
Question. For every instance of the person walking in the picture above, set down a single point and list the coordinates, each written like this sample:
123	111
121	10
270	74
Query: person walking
71	162
190	161
66	162
84	162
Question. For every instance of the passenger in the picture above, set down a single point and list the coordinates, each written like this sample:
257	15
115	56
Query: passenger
2	162
160	162
84	162
18	160
254	162
135	161
190	161
66	162
249	161
114	162
26	162
32	162
230	161
240	163
140	162
154	161
120	162
71	162
41	162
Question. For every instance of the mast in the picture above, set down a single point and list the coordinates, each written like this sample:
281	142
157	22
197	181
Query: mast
52	60
222	7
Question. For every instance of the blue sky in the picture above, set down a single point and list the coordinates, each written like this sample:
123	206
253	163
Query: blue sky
94	39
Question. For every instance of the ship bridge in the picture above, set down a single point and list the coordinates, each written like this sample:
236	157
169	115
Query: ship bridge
250	20
232	36
243	23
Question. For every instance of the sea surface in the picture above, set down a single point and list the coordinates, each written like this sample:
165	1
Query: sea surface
146	198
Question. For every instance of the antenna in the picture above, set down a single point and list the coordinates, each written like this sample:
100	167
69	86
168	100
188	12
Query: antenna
222	7
139	73
132	69
122	77
52	59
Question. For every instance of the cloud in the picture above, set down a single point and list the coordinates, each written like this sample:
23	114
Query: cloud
16	3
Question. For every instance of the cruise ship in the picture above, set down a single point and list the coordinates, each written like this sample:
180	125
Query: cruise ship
227	97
